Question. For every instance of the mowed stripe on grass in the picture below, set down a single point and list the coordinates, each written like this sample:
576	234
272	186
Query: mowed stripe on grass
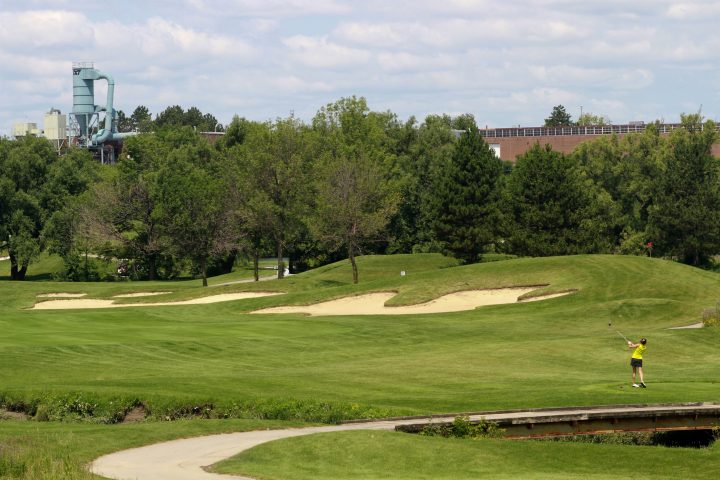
550	353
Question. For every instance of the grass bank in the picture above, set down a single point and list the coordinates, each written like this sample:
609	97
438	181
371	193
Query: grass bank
550	353
361	455
219	361
61	451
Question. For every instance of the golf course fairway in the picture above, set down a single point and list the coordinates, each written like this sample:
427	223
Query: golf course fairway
219	361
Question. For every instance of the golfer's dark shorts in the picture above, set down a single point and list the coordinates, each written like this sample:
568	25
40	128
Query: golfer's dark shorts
636	362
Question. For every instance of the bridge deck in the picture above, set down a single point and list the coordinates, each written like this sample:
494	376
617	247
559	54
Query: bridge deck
581	420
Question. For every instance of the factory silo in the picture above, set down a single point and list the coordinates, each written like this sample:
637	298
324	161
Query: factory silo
106	140
83	97
55	128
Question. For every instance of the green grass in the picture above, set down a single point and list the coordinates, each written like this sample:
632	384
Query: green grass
556	352
42	269
364	454
60	451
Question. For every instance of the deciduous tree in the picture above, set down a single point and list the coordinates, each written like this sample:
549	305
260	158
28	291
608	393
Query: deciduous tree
359	175
354	203
684	220
194	208
279	160
24	164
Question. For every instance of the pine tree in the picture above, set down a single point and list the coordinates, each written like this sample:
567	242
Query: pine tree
559	117
468	215
552	207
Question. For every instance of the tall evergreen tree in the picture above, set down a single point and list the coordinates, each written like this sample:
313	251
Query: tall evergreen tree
558	117
141	119
554	208
468	216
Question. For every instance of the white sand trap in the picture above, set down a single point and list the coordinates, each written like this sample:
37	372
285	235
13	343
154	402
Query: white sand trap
694	325
101	303
374	303
62	295
545	297
140	294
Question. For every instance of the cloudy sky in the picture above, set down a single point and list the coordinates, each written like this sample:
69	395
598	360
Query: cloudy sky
506	62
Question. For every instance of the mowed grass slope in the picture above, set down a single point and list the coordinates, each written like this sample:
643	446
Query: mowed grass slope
550	353
367	454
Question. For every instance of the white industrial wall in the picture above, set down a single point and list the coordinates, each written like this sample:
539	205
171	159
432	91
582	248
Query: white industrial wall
55	126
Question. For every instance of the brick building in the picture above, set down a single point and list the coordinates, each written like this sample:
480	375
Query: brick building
508	143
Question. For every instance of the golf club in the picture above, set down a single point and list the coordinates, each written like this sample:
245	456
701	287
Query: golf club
618	332
623	336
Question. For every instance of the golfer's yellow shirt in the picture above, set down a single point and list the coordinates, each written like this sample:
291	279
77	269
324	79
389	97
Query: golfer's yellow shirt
639	351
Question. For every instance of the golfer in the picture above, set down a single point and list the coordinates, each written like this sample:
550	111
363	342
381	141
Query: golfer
636	361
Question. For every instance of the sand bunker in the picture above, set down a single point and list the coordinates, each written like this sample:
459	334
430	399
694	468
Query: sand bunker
140	294
62	295
101	303
374	303
694	325
545	297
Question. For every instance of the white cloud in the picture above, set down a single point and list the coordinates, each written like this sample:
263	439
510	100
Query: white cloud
404	61
262	25
43	28
607	78
32	67
506	62
432	8
271	7
321	53
693	10
546	97
295	84
457	33
157	37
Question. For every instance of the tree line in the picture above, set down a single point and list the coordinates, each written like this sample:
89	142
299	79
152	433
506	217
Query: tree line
351	182
141	120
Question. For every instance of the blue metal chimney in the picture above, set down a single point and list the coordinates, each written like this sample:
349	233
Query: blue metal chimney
84	108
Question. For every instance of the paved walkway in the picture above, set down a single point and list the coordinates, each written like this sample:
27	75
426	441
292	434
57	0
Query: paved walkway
184	459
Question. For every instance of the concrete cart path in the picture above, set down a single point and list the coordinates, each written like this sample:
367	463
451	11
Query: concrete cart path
184	459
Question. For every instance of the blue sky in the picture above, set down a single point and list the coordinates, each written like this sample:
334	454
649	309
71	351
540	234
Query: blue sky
506	62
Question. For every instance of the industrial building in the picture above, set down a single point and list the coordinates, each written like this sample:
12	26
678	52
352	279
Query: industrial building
508	143
89	125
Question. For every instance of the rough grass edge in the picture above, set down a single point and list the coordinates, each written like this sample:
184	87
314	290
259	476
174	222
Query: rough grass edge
91	408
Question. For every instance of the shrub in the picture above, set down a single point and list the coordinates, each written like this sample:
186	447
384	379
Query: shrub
86	407
711	316
463	427
42	413
70	407
681	438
